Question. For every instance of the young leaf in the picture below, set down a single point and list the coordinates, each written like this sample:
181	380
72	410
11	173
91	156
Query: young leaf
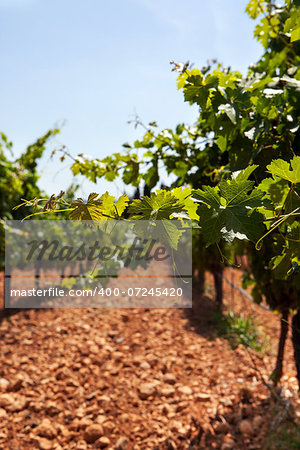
159	206
190	206
281	168
90	210
121	204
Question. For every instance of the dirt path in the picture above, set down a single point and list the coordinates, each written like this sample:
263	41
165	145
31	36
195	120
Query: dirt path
151	379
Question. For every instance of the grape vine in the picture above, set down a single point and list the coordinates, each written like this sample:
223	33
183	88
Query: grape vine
237	168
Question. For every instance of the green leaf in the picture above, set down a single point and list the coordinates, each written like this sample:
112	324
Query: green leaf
276	189
165	231
121	204
295	164
151	176
227	210
245	173
96	209
294	234
244	224
212	222
190	206
131	172
234	191
158	210
110	176
159	206
230	223
108	207
90	210
292	203
209	195
222	143
254	8
281	264
295	34
281	168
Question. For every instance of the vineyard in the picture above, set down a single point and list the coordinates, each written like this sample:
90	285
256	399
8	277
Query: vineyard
222	374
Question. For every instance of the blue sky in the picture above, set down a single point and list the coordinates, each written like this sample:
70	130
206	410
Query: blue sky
91	64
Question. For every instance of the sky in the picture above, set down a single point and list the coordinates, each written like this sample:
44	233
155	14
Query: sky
91	65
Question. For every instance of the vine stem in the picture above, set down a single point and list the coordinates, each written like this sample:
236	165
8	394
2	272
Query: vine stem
47	212
272	228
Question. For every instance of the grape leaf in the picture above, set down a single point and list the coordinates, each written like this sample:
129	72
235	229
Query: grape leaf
276	189
121	204
244	223
157	210
209	195
281	168
190	206
212	221
234	191
295	34
254	8
164	231
281	264
108	208
245	173
159	206
227	211
98	208
90	210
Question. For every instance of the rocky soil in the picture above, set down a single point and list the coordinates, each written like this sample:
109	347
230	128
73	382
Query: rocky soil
137	379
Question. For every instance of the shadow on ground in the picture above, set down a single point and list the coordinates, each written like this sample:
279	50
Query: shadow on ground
204	316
